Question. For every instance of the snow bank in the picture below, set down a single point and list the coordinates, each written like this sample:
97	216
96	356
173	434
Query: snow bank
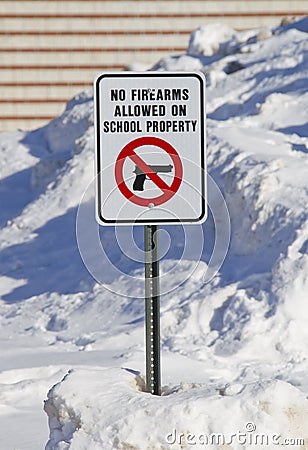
107	409
210	39
250	318
234	350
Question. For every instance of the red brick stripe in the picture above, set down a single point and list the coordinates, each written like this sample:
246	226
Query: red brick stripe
140	1
153	16
33	100
98	33
59	66
92	50
43	84
17	117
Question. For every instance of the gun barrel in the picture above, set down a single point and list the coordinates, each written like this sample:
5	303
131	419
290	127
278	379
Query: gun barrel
155	168
162	168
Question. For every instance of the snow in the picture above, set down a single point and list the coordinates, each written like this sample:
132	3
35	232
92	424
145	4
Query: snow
188	416
234	345
210	39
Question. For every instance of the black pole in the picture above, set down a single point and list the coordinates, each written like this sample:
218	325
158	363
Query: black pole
152	311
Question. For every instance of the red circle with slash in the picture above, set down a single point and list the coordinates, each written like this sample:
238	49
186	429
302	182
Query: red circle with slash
129	152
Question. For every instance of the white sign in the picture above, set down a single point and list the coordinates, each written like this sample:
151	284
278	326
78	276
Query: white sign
150	148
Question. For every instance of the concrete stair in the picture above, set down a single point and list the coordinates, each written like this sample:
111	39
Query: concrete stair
51	50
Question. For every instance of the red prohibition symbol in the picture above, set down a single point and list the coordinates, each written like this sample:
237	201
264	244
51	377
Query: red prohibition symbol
129	152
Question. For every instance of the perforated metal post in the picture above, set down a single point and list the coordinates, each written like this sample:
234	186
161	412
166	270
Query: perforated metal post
152	311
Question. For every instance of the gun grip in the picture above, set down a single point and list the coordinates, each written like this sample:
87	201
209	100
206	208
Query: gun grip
139	182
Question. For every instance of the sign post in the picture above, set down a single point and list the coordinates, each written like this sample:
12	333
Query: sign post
152	310
150	161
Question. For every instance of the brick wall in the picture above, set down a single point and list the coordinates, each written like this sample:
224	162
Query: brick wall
51	50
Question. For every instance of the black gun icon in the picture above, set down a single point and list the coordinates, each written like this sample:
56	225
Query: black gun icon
141	176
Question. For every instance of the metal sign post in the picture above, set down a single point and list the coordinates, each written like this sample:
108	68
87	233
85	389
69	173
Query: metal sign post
150	163
152	310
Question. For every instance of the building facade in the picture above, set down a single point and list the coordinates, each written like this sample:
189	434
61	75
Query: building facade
51	50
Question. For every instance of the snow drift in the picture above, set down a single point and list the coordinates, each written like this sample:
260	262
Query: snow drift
234	350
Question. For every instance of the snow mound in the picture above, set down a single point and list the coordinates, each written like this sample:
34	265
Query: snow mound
234	350
210	39
107	409
257	154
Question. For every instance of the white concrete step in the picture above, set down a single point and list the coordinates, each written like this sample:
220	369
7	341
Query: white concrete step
96	41
135	23
32	109
19	123
63	58
80	37
55	74
36	91
148	7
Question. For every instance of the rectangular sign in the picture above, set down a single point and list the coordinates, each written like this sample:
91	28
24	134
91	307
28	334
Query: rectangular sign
150	148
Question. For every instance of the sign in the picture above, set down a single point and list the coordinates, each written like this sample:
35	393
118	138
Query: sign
150	148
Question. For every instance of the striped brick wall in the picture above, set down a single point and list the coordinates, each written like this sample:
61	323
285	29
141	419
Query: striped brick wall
51	50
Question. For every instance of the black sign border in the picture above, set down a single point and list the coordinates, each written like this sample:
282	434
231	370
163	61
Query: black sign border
98	147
